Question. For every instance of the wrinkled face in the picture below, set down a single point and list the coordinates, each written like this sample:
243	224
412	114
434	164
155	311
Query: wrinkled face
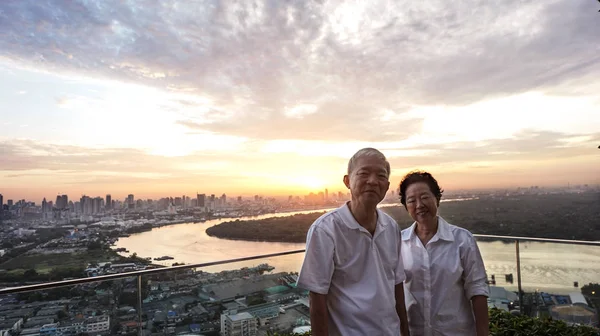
421	203
369	180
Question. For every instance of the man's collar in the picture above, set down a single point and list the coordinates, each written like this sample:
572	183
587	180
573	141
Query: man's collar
351	222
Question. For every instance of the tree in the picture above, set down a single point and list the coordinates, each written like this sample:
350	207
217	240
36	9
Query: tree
30	274
94	245
591	290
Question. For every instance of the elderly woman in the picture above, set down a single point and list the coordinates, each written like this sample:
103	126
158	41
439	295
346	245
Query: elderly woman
445	287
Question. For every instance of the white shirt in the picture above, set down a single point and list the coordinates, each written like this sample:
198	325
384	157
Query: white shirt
441	279
357	271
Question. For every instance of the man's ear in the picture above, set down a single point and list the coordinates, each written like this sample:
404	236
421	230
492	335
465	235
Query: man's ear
347	181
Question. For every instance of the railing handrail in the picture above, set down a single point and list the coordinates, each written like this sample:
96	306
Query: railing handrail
540	240
79	281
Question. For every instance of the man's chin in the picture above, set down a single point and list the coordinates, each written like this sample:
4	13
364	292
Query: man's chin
370	199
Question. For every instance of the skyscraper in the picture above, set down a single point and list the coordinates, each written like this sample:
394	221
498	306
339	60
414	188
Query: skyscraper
97	205
108	203
62	202
1	203
201	200
130	201
44	205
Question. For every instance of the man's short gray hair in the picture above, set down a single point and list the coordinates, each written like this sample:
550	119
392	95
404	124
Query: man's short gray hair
372	152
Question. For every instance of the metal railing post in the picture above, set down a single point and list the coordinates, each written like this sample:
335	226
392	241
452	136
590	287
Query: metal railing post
519	276
139	286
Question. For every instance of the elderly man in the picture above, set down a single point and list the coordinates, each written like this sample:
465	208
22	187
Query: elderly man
352	267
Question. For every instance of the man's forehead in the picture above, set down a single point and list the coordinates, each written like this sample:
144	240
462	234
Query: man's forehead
370	161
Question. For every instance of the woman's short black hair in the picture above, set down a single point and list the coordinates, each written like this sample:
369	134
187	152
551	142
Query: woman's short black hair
420	176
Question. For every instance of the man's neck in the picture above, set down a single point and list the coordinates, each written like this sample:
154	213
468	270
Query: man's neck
366	216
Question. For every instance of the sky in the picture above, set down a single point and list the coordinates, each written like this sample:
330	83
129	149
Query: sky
273	97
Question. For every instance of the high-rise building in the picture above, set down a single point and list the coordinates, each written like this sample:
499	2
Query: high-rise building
1	202
9	203
130	201
201	200
242	324
326	194
44	205
86	205
108	202
62	202
97	205
223	200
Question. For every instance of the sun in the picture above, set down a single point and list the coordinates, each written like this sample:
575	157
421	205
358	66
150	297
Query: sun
310	183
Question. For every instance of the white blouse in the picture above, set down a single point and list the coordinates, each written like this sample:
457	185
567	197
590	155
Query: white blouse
441	279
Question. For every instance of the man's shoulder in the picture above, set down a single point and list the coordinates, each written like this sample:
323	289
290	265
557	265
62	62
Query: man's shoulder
388	220
327	221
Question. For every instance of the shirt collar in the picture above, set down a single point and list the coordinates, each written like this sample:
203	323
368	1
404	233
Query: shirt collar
351	222
443	231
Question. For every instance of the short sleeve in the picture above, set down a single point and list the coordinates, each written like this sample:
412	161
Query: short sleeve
317	268
399	272
474	275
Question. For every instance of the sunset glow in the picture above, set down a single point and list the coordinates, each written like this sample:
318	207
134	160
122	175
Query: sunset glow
169	100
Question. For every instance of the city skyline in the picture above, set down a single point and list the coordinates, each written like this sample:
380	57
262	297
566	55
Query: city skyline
273	98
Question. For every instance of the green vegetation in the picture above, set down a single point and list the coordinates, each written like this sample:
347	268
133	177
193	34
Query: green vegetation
562	216
44	262
278	229
54	267
506	324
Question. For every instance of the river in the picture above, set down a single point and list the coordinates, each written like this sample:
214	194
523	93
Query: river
545	266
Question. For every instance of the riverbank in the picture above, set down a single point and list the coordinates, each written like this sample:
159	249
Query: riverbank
508	216
291	229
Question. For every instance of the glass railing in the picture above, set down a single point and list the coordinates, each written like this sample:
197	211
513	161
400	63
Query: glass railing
249	294
542	277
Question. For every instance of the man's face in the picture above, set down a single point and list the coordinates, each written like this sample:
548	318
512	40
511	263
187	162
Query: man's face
369	180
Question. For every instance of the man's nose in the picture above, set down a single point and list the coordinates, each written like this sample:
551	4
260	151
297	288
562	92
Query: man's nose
372	179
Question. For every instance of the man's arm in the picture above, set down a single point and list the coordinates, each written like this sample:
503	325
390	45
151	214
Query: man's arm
319	315
401	309
482	319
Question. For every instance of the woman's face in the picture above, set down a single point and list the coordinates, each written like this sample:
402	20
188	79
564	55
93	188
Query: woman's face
421	203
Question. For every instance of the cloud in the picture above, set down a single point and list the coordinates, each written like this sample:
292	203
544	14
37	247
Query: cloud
542	147
257	60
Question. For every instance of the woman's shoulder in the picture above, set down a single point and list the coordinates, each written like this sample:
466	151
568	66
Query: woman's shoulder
458	232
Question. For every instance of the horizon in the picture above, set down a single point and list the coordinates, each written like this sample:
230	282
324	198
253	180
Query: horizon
233	195
274	98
